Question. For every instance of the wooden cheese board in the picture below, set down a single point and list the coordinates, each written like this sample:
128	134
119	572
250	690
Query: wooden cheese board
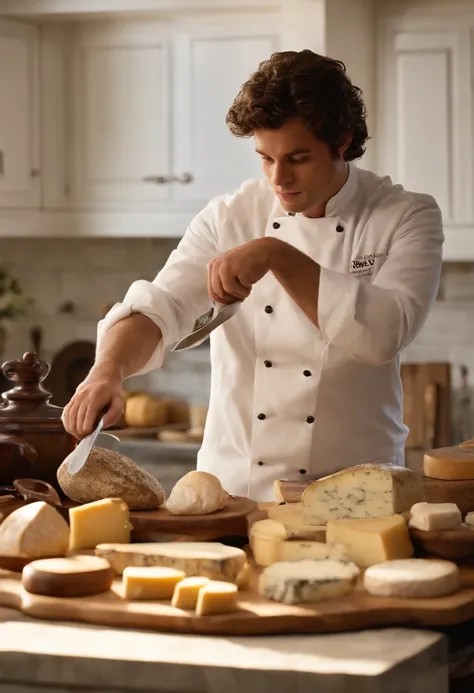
451	544
149	524
255	615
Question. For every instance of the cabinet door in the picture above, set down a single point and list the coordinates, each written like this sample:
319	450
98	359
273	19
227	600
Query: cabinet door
120	115
19	151
212	58
424	120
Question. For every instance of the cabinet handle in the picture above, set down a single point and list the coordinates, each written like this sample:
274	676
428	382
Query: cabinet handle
163	180
34	173
2	169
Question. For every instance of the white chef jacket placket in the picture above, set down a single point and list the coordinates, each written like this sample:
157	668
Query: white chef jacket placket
290	354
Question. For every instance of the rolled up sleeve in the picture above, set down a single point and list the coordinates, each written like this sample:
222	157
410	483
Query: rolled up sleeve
373	322
178	295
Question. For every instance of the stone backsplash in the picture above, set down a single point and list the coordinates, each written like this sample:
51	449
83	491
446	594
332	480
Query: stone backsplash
90	274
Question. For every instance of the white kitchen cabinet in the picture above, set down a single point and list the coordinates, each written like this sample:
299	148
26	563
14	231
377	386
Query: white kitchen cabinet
149	106
19	120
212	58
120	114
425	111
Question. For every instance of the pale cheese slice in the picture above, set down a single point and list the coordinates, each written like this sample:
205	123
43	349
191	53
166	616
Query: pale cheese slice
204	559
307	581
412	578
216	598
372	540
186	592
432	517
102	521
36	530
367	490
150	582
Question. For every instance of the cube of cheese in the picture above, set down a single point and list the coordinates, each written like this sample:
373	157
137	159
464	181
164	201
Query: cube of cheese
216	598
432	517
186	592
367	490
372	540
103	521
290	515
150	582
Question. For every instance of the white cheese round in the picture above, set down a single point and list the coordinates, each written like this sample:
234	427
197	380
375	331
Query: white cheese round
411	578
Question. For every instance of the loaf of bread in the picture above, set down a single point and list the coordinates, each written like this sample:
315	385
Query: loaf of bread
145	410
108	474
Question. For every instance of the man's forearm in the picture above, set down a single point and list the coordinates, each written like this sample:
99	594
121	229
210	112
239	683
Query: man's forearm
127	346
298	274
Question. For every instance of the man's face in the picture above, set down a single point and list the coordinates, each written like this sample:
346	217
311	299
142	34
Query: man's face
301	169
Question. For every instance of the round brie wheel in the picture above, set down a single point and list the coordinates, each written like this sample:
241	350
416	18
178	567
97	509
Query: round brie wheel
75	576
412	578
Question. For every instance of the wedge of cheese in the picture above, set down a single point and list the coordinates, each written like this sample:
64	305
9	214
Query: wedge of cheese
372	540
35	530
202	559
433	517
367	490
102	521
307	581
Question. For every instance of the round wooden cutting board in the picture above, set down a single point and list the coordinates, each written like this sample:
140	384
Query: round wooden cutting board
231	520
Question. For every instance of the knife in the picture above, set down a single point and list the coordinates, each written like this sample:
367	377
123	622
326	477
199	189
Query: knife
78	457
219	313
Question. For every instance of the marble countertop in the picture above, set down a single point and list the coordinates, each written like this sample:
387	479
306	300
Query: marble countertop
62	656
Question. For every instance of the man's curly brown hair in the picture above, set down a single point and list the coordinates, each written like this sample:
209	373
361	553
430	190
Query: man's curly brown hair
302	85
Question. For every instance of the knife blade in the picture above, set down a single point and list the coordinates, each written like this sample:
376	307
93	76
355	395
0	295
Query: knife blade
78	457
220	313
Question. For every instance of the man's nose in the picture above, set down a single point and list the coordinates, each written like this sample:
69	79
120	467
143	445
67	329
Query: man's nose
281	175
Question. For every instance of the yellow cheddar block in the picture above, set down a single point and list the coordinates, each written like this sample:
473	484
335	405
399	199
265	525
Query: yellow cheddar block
150	582
373	540
216	598
186	592
101	522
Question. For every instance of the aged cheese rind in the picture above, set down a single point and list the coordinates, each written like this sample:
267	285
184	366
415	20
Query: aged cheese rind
186	592
197	493
104	521
450	463
370	541
433	517
207	559
35	530
108	474
366	490
73	576
412	578
150	582
308	581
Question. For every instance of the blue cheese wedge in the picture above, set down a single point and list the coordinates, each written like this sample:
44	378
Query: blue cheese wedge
367	490
294	582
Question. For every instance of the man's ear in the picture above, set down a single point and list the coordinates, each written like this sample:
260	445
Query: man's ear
345	143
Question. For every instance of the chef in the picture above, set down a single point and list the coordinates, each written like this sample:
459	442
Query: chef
336	270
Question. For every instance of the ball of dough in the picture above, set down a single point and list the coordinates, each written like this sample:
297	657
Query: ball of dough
197	493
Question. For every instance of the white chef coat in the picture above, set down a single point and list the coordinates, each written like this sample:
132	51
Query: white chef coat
288	399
